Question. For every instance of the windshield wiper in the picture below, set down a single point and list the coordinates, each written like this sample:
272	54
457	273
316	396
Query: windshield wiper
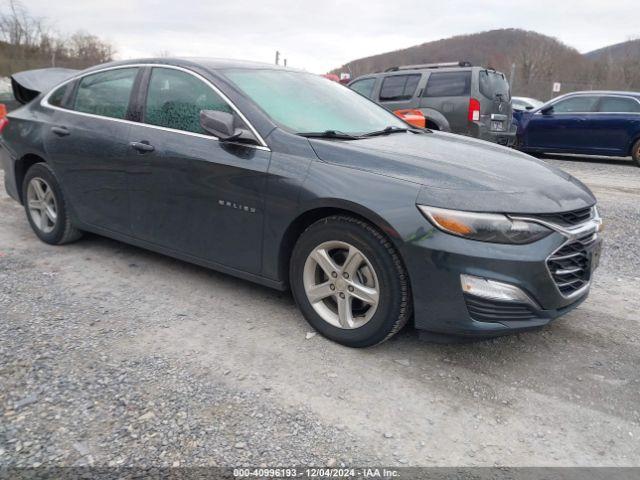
328	134
387	131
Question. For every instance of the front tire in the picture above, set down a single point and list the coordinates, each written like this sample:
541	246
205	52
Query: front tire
46	207
349	282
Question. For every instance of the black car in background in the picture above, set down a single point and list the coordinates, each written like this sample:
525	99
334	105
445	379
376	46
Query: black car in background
454	97
290	180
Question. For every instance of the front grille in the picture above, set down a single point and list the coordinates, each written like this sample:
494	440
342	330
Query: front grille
569	265
567	219
485	310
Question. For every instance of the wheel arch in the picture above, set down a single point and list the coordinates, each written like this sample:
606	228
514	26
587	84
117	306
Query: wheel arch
633	143
434	117
22	166
326	208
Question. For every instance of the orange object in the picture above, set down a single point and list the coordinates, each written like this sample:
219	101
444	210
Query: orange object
4	121
414	117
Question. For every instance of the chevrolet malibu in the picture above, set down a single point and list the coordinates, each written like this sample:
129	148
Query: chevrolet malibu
290	180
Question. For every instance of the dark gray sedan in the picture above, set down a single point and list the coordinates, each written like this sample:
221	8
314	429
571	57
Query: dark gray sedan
288	179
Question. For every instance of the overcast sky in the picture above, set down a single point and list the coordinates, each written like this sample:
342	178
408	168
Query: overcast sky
319	35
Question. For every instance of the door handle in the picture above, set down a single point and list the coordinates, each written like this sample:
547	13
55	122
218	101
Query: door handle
60	131
142	147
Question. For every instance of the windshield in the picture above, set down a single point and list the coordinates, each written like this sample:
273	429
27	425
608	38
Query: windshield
493	84
304	102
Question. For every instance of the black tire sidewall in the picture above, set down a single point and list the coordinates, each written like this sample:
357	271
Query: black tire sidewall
635	153
42	170
390	305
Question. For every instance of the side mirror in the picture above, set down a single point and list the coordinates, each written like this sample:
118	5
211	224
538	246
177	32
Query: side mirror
547	111
221	124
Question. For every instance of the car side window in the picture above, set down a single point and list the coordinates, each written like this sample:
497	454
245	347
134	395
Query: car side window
619	105
57	96
176	98
581	104
364	87
399	87
106	93
448	84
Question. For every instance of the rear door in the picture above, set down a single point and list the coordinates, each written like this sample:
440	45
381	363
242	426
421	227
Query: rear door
564	126
496	111
87	142
616	124
190	192
397	91
448	93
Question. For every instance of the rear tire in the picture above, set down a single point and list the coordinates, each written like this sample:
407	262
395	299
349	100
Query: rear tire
635	153
349	282
46	207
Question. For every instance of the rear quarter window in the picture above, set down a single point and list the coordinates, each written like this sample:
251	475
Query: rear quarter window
57	96
399	87
364	87
448	84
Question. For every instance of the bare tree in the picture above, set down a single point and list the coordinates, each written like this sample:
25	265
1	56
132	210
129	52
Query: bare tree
27	42
18	27
89	48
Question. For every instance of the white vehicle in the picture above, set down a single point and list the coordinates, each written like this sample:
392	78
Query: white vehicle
525	103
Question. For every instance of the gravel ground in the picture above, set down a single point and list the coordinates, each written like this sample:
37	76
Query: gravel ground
111	355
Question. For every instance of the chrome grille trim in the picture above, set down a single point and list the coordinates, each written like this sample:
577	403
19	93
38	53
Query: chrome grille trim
569	265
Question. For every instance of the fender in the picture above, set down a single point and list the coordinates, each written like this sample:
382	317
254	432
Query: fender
437	118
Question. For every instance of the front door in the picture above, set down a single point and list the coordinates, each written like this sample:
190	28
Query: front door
88	145
190	192
564	127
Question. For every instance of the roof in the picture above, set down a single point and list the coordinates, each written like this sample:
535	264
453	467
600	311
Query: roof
207	63
604	92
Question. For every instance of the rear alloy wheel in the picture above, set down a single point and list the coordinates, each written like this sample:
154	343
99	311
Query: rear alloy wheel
45	206
635	153
349	282
41	205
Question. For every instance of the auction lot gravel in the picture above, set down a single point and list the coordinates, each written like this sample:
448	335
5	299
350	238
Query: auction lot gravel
111	355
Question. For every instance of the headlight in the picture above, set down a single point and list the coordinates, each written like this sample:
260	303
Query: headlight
485	227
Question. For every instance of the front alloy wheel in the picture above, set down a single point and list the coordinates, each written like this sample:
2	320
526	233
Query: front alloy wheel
349	281
341	285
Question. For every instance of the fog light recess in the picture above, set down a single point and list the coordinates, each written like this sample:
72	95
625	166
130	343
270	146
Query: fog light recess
493	290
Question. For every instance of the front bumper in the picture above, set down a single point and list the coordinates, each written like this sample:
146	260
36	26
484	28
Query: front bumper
436	261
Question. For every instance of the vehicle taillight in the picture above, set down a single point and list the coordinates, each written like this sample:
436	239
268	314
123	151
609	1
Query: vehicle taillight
474	110
4	121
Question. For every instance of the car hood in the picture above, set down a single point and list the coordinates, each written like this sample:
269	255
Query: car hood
461	172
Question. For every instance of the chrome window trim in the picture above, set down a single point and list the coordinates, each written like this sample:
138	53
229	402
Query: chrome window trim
599	95
45	103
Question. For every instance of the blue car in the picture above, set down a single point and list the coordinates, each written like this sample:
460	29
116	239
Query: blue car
586	123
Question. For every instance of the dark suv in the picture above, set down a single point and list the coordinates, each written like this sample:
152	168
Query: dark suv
454	97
